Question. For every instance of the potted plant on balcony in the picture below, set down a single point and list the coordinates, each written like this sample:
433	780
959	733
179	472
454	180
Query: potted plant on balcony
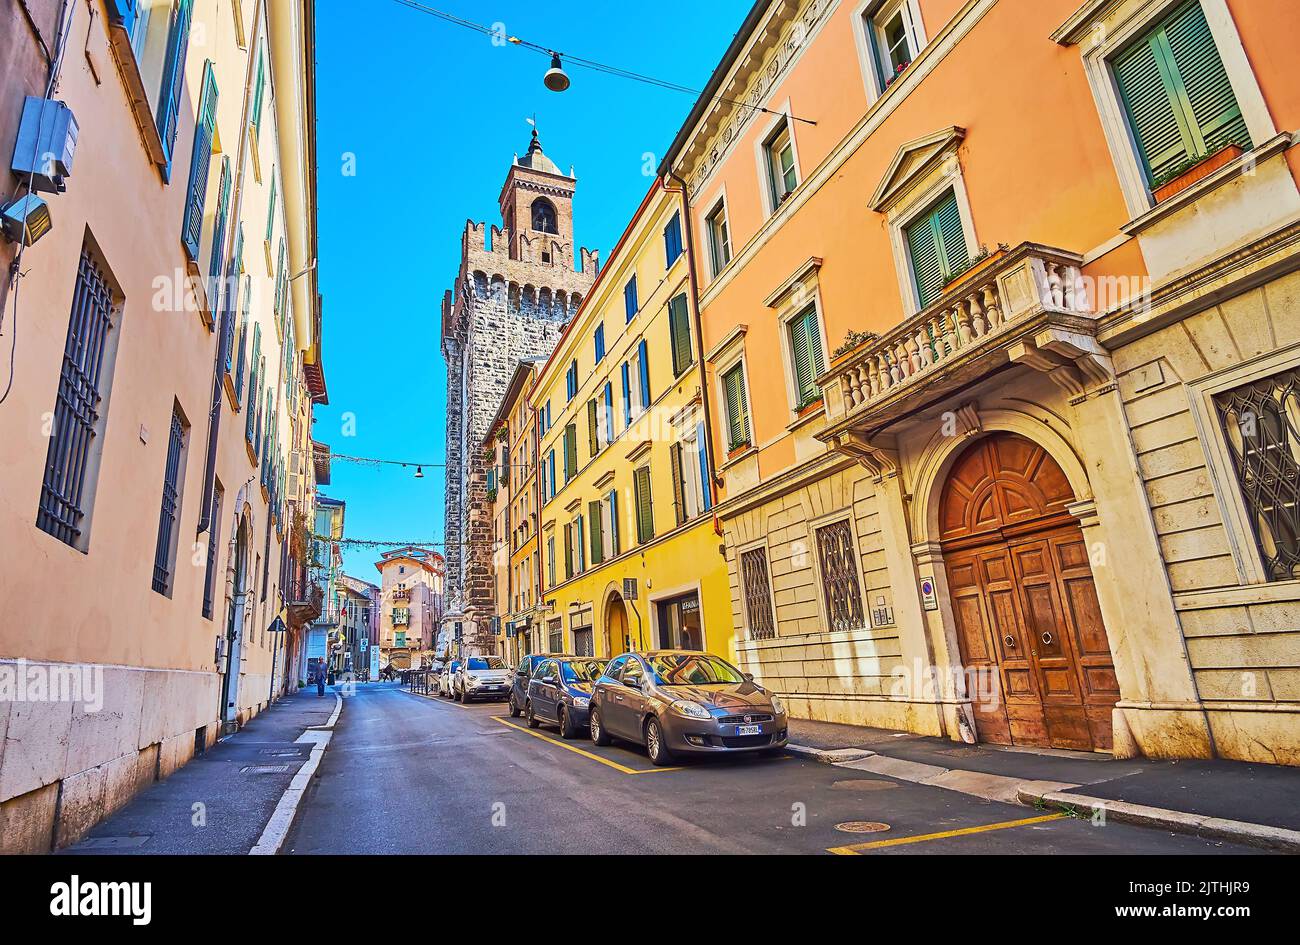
809	403
737	446
852	341
982	259
1192	170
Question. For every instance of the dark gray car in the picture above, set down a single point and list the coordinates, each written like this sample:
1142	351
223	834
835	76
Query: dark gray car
560	692
684	702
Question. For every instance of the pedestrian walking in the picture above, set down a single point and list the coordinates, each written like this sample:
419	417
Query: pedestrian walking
320	681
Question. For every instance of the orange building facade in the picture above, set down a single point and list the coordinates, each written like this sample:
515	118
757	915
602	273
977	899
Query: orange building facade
999	316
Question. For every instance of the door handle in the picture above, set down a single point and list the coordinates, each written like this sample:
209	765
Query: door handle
1047	638
1010	641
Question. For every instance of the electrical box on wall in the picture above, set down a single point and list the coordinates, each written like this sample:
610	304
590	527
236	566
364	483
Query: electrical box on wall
46	144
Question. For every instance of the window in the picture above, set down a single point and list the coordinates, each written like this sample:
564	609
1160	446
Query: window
173	77
164	555
936	244
544	216
611	517
757	591
690	472
219	231
737	406
568	550
596	515
679	623
645	522
550	473
679	330
642	365
254	378
593	426
579	543
719	237
270	215
1180	105
633	671
782	176
571	380
806	356
673	239
555	635
259	92
600	343
1261	422
607	422
570	451
839	575
85	380
214	530
894	37
201	159
629	298
550	561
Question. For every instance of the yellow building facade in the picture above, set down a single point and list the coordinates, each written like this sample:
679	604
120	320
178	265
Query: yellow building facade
629	553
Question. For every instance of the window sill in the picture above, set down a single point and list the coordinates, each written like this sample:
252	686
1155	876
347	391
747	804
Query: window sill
232	395
809	414
1235	169
129	70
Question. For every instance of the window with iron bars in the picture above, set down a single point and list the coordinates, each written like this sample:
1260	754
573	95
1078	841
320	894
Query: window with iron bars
838	557
85	379
1261	427
758	594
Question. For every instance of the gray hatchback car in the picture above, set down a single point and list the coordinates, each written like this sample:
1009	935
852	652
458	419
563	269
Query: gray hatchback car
684	702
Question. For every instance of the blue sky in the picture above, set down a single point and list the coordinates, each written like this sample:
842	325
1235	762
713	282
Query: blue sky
433	114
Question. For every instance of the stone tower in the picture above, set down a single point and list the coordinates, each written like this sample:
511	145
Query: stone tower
517	288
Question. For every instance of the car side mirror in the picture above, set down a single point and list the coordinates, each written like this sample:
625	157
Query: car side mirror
749	677
632	683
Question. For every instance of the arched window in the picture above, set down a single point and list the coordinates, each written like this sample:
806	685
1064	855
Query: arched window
544	216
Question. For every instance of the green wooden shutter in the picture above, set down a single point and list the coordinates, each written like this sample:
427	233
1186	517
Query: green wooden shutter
737	420
568	551
570	452
200	161
250	422
680	331
806	350
927	265
1216	115
645	528
679	488
937	244
259	94
597	532
270	212
592	427
952	238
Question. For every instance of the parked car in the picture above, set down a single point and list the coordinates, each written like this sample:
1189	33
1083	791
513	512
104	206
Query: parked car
481	677
520	675
560	692
447	677
684	702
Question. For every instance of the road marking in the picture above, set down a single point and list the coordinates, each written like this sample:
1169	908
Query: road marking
439	700
586	754
856	848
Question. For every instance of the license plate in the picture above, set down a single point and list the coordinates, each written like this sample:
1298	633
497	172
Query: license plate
749	730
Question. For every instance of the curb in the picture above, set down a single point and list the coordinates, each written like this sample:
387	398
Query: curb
1036	793
277	828
830	756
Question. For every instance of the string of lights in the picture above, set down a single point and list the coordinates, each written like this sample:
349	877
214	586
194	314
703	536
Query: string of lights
375	461
592	64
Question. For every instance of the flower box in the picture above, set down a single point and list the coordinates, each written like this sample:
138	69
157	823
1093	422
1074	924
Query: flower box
810	408
1197	172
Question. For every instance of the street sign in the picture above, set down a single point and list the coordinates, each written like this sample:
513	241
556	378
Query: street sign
365	644
277	626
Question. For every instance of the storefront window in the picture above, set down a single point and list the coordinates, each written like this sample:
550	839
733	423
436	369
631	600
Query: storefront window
679	623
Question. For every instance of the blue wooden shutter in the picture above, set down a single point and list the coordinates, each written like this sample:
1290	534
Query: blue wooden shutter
629	298
609	412
123	13
643	357
673	238
200	161
600	342
627	396
173	80
219	226
706	480
614	542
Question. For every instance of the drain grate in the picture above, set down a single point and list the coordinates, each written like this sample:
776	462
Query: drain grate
263	769
862	826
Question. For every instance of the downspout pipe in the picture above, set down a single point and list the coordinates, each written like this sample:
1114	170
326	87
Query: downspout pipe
693	280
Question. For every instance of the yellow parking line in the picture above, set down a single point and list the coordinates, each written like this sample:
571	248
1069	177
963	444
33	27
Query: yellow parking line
854	849
586	754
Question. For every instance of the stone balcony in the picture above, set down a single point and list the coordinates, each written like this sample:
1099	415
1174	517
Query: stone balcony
1029	304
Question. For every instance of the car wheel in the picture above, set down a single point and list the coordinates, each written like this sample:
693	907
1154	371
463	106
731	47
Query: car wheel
654	743
514	709
598	734
528	714
567	728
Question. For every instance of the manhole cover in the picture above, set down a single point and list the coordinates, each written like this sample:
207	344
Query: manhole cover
864	784
263	769
862	826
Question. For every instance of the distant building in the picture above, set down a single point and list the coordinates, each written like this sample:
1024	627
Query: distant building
360	620
411	594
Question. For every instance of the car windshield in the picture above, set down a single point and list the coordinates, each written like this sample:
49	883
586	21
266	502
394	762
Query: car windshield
485	662
454	666
581	671
693	669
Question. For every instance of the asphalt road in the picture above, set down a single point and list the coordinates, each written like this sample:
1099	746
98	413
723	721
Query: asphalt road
409	774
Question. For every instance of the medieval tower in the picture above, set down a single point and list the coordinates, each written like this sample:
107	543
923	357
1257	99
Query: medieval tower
516	290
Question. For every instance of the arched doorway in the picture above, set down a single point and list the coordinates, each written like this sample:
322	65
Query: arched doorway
616	628
236	614
1026	612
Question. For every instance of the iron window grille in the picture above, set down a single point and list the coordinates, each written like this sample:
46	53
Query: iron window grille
1261	422
758	594
77	404
838	559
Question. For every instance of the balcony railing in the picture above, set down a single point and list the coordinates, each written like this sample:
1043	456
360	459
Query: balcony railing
964	335
303	597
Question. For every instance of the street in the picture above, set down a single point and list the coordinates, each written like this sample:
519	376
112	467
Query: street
409	774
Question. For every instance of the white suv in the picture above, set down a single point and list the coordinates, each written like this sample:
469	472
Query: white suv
481	677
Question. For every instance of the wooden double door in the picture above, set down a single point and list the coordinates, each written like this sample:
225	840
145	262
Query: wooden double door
1033	644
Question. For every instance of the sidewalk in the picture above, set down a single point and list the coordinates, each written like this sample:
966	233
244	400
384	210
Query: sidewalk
1252	802
225	800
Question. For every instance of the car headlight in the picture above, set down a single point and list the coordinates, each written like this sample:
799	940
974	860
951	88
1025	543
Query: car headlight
581	701
776	705
472	679
692	710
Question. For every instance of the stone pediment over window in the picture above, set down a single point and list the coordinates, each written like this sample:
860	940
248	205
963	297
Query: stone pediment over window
913	163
